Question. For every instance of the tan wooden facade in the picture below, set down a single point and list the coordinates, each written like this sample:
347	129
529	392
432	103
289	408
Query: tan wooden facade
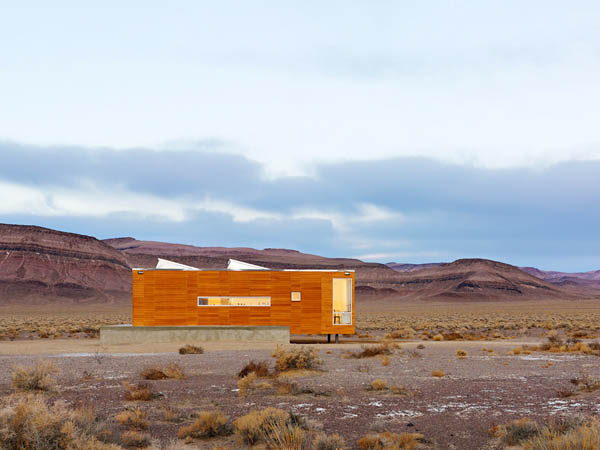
170	297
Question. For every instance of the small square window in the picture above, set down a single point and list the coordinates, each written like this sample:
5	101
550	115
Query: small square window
296	296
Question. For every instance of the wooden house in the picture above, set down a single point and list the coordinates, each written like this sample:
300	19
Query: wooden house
308	301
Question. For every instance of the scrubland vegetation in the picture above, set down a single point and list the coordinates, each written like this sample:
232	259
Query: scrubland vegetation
383	394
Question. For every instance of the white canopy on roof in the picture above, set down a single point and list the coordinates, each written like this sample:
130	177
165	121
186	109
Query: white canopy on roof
234	264
166	264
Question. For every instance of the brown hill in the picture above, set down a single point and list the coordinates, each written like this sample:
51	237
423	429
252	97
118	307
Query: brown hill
146	253
39	265
576	281
474	279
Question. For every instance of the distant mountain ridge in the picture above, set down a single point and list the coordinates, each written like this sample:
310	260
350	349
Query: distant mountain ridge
40	265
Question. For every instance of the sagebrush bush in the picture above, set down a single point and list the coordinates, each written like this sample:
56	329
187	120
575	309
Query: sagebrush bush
260	368
39	377
249	384
385	348
297	358
138	392
191	350
162	373
133	418
267	426
31	423
391	441
329	442
133	438
516	431
208	424
581	436
379	385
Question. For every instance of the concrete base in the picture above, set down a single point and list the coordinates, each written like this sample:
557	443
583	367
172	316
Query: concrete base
128	334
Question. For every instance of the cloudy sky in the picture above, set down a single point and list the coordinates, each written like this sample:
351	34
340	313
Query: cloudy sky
391	131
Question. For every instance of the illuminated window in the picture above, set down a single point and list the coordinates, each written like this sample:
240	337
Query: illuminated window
342	301
296	296
234	301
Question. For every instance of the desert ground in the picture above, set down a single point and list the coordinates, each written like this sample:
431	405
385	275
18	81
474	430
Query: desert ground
443	376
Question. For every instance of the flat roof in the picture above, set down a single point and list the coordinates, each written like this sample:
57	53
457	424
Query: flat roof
248	270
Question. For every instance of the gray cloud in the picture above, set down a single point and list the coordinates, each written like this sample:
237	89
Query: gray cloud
546	217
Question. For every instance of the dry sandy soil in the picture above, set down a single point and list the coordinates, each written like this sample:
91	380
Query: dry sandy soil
453	412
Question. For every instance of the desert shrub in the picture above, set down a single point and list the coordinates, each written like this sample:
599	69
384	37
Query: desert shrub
135	439
385	360
250	384
437	373
404	333
30	423
438	337
208	424
379	385
300	358
329	442
390	441
516	431
286	435
39	377
385	348
261	369
461	353
267	426
191	350
162	373
554	338
170	414
133	418
583	437
138	392
401	390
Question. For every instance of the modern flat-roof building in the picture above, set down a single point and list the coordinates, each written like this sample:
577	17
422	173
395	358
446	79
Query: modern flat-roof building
308	301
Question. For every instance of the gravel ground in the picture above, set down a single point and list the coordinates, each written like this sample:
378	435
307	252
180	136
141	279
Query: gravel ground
453	412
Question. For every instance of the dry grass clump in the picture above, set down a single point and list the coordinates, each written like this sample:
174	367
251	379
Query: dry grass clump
437	373
298	358
191	350
379	385
385	360
39	377
438	337
461	353
138	392
516	431
383	349
29	422
569	433
403	333
249	384
170	414
584	436
329	442
261	369
391	441
586	383
133	418
162	373
274	428
137	439
208	424
401	390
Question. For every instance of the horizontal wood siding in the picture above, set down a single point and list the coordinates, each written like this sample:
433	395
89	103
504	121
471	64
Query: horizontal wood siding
169	297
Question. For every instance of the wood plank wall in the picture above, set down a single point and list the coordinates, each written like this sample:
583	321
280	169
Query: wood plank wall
169	297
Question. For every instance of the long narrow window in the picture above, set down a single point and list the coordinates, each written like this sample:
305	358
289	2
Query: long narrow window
342	301
234	301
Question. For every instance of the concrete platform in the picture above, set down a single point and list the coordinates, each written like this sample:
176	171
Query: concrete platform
128	334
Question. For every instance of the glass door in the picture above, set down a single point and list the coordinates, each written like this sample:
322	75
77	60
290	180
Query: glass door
342	301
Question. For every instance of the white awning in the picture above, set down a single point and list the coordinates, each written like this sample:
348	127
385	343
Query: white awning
166	264
234	264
